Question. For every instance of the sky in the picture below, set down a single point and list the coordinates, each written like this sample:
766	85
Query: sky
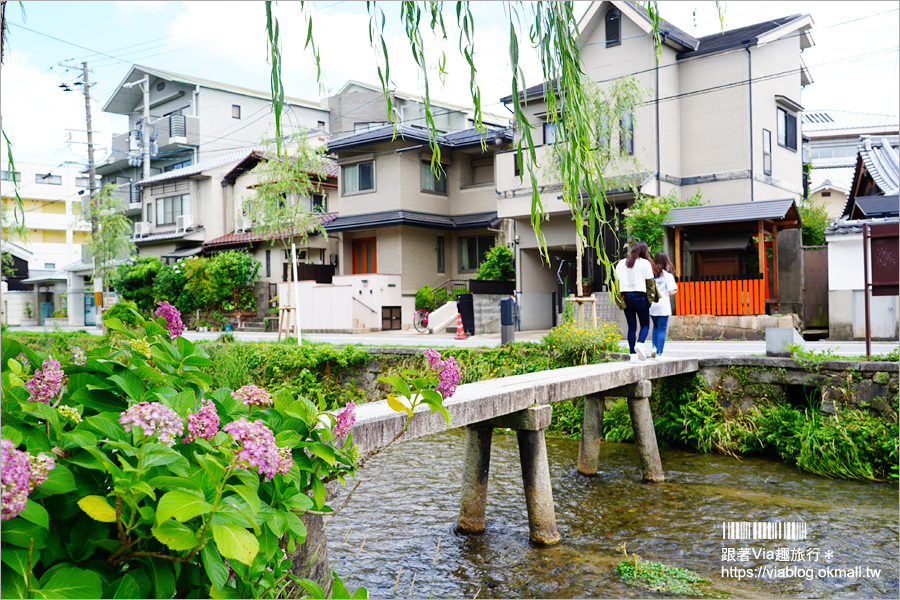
854	63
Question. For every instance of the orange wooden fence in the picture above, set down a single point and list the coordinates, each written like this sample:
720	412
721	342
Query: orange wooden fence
721	296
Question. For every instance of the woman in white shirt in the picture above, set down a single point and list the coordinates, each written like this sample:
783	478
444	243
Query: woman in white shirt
661	310
633	273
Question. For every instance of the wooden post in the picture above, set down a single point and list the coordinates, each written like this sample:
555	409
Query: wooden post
591	435
678	251
775	259
761	252
476	466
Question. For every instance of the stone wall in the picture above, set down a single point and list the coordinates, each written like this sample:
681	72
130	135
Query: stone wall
837	384
487	313
711	327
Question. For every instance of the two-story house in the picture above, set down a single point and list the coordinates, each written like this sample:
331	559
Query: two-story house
401	218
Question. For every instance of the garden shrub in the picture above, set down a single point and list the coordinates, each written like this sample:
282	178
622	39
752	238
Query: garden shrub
124	502
122	310
577	345
135	281
498	263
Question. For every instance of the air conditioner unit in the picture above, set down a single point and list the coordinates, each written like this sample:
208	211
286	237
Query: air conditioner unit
184	222
141	228
243	225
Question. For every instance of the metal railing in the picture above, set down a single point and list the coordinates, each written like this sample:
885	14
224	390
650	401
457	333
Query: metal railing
447	291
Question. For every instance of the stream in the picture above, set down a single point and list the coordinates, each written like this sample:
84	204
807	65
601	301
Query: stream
396	537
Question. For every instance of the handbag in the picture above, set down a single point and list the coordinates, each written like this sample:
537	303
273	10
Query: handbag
652	291
617	296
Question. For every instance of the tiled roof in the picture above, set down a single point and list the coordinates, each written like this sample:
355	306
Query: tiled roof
839	178
734	38
234	238
825	120
882	162
169	235
844	226
456	139
200	167
731	213
253	159
418	219
870	207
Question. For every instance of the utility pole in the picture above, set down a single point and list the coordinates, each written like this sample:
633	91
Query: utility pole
92	187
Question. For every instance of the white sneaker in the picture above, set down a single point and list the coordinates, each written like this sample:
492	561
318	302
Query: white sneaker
639	350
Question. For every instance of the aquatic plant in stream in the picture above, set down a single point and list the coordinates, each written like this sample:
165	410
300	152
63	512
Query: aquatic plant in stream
103	497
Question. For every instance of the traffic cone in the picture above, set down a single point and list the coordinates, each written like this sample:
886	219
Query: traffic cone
460	332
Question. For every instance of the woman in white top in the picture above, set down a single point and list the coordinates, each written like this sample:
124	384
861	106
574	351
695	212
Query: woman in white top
661	310
633	273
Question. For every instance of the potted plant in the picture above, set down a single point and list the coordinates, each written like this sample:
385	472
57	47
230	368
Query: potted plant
496	273
587	286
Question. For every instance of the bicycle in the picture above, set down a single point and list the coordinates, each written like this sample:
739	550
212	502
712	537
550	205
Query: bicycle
420	320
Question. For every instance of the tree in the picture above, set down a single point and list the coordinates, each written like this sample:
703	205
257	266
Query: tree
814	218
281	206
135	281
112	241
553	30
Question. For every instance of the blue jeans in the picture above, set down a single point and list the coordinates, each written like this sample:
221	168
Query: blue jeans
660	323
636	309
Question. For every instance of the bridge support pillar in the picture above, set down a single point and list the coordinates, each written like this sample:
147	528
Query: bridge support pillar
591	434
476	465
529	425
644	432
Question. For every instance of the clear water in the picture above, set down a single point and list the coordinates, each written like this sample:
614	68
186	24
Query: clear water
396	536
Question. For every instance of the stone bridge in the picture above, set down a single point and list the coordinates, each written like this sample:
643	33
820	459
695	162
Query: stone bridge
522	403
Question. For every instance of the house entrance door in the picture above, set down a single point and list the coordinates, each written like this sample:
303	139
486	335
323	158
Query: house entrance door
364	259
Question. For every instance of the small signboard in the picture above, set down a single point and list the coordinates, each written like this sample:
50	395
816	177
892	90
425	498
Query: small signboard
885	259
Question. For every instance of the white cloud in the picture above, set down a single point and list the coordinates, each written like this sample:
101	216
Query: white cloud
37	114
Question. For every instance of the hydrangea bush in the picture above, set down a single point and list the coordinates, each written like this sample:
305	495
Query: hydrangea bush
125	476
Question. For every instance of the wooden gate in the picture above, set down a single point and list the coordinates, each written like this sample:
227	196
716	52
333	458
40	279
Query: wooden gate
815	287
721	295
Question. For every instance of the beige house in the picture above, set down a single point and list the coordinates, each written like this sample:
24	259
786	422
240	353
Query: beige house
722	115
401	220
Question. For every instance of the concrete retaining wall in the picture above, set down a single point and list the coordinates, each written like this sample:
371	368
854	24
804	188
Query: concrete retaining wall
748	381
711	327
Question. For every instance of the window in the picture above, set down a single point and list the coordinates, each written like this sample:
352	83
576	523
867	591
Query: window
516	170
787	129
320	123
359	177
178	165
82	181
8	175
603	134
550	129
49	265
431	182
613	38
440	254
48	179
235	111
472	251
319	203
626	132
149	212
767	152
268	263
173	206
826	194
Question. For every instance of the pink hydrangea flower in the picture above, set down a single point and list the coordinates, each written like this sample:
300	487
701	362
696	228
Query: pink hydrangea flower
172	317
345	420
449	377
448	372
257	447
46	383
20	473
154	418
285	460
204	423
253	396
